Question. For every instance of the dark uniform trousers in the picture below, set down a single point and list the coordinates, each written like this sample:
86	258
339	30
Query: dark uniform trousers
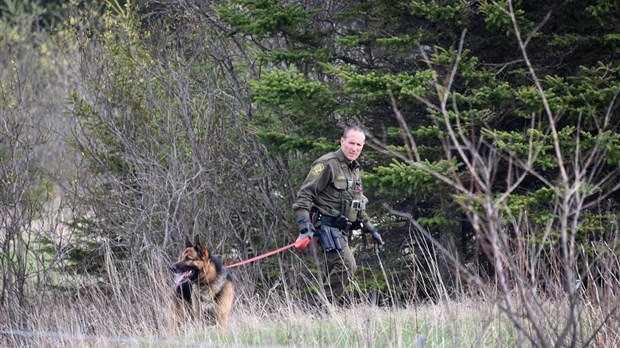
340	267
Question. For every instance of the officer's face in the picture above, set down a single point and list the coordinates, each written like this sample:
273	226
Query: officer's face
352	145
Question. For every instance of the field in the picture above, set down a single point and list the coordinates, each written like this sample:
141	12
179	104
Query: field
137	311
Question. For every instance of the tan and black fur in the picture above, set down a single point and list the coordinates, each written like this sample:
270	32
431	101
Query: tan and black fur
204	288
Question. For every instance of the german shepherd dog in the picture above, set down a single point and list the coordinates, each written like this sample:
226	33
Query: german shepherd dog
204	288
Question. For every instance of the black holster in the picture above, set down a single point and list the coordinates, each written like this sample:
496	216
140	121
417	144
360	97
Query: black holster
330	238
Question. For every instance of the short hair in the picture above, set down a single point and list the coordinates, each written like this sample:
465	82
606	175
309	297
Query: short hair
348	130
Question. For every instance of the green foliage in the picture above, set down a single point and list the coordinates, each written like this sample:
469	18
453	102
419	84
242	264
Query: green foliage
497	18
290	90
398	43
28	161
307	104
438	12
593	91
262	18
16	19
121	123
371	87
601	9
283	144
538	205
297	56
380	47
438	221
308	70
209	116
537	143
400	179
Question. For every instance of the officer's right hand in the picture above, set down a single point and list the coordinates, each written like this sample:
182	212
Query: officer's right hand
306	231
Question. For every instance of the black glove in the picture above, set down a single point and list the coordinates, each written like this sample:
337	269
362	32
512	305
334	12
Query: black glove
306	229
355	226
375	235
341	223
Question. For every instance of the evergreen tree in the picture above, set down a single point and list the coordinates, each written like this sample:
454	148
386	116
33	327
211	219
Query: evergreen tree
525	93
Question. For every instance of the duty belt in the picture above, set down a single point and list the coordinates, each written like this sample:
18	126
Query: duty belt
340	222
328	220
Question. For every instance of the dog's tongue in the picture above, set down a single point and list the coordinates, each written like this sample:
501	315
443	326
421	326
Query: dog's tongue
181	277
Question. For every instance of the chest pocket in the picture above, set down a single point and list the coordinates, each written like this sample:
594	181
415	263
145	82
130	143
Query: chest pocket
337	188
341	184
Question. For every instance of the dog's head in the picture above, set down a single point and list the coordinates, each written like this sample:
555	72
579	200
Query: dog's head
192	261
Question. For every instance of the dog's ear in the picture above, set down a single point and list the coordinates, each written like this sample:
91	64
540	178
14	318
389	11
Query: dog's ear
200	248
188	243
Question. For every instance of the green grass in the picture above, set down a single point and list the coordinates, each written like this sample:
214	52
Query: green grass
368	326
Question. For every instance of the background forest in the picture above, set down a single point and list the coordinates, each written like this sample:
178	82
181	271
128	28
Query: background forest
492	167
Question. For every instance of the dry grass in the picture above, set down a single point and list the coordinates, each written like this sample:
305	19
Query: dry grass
137	311
104	323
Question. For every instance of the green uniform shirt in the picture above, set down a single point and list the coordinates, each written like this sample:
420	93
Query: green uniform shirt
331	186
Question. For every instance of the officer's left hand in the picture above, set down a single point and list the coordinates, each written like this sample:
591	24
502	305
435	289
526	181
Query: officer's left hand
376	237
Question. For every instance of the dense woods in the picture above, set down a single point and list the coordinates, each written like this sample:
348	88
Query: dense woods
492	160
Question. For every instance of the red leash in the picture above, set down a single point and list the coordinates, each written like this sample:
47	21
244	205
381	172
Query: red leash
299	243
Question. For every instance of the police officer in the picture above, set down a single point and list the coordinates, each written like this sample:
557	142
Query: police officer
329	204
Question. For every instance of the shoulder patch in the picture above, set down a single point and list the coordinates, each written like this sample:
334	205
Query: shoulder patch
317	169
